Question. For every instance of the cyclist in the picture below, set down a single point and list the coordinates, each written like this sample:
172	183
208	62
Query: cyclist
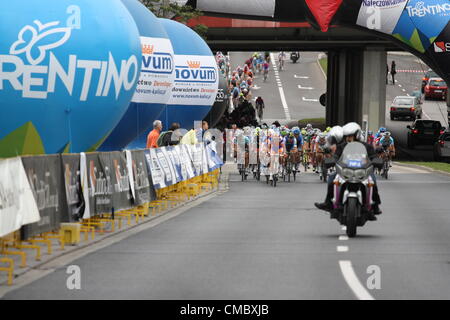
259	103
306	145
297	151
320	149
265	67
370	138
387	143
281	57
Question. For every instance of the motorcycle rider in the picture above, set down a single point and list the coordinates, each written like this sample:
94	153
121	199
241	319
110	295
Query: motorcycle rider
352	133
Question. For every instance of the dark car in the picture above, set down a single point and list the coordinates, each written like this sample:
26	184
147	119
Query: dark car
441	149
406	106
424	132
430	74
436	88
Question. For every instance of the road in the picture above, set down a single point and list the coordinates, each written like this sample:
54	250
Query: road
306	73
257	242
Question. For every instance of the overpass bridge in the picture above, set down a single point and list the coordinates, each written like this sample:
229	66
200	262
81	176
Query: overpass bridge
356	76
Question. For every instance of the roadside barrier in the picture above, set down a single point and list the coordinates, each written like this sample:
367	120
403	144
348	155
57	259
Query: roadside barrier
48	202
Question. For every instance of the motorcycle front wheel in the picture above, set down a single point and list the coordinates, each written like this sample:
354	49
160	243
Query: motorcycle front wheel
351	211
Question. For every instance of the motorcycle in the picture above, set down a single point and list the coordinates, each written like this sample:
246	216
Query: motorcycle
295	56
353	186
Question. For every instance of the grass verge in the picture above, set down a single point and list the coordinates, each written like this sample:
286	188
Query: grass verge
441	166
324	64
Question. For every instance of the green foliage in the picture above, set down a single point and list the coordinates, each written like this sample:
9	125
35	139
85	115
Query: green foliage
167	9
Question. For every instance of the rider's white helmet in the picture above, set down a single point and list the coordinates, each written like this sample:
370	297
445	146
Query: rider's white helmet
337	133
352	129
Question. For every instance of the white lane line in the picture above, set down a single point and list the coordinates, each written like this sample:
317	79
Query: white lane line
343	238
300	77
305	88
426	115
400	85
283	101
310	100
283	97
403	90
342	249
353	282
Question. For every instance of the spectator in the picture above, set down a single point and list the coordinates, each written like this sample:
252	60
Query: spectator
153	136
393	71
166	137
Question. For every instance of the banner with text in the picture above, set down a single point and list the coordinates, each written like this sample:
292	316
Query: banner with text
17	204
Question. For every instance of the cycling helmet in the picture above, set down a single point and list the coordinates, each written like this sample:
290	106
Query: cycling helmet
382	129
304	132
309	126
296	130
369	132
387	134
327	129
284	132
352	129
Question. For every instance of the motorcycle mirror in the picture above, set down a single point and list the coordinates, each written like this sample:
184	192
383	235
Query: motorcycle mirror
329	162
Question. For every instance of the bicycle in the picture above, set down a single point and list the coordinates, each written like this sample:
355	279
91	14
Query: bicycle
305	159
288	167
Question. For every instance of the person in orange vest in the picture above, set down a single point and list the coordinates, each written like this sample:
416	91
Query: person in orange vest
153	136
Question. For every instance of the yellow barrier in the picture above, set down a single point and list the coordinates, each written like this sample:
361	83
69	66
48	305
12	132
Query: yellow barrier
9	269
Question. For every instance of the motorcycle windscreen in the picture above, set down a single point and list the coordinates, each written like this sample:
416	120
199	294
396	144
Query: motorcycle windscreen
354	156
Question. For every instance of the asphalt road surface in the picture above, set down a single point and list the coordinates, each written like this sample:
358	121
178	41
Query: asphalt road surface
301	83
260	242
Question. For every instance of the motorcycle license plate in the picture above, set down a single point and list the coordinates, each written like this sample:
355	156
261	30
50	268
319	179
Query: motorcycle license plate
438	91
430	132
355	163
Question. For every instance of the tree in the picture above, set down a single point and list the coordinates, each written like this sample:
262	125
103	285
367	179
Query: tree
169	9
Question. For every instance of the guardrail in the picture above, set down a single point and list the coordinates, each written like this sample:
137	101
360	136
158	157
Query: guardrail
52	199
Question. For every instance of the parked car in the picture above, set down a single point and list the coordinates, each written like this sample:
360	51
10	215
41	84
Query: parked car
424	132
436	88
429	74
406	106
441	149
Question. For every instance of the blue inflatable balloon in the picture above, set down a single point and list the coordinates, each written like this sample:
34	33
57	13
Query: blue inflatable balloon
155	82
68	71
196	80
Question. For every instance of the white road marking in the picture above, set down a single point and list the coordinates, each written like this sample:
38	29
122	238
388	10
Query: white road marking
353	282
310	100
343	238
305	88
403	90
400	85
342	249
426	115
300	77
283	97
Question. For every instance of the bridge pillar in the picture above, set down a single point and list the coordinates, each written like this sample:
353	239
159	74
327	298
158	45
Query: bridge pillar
374	88
356	87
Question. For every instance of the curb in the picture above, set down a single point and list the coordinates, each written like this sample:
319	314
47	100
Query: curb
320	67
416	166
